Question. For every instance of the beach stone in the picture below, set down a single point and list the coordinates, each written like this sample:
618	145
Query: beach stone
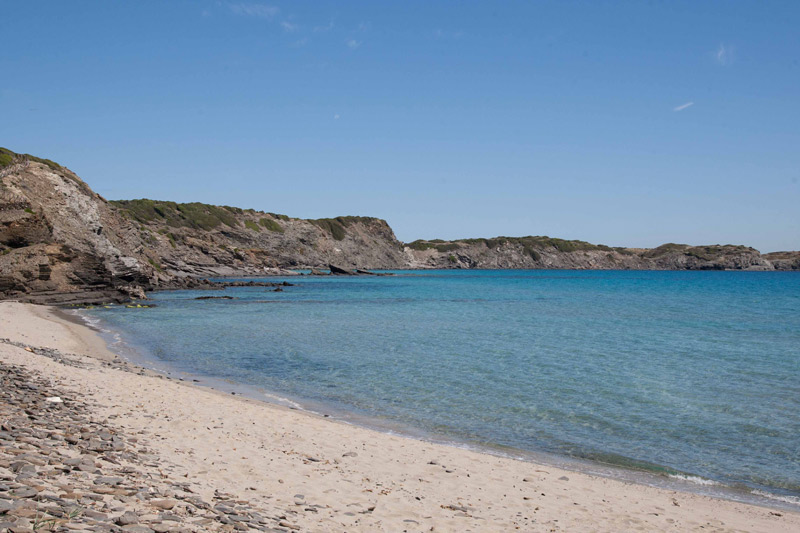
137	529
166	504
108	480
28	492
127	518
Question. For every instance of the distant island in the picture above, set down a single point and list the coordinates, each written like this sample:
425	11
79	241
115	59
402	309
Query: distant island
60	242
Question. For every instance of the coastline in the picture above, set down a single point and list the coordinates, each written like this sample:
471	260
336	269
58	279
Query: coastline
657	476
232	443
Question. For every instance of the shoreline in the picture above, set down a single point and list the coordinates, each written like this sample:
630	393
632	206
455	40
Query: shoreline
628	471
491	491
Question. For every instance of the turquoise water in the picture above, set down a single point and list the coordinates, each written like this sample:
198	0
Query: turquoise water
693	373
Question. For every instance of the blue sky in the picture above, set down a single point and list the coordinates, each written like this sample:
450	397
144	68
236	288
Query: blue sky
622	123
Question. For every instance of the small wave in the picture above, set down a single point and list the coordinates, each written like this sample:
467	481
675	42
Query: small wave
284	401
794	500
697	480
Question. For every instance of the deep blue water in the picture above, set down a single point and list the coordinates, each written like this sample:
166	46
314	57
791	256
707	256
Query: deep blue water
694	373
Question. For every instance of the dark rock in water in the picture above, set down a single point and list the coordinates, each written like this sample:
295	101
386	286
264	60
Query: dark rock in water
338	271
215	298
370	273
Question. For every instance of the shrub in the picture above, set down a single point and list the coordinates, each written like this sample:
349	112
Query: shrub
155	265
192	215
7	157
419	245
449	247
332	226
249	224
271	225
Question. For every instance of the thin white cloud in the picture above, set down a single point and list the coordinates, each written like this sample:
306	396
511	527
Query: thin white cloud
352	44
254	10
724	54
328	27
683	106
288	26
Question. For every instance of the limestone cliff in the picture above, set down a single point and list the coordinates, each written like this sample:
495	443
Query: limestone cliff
61	242
58	239
205	240
547	252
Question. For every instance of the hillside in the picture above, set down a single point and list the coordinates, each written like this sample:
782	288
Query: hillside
206	240
547	252
62	242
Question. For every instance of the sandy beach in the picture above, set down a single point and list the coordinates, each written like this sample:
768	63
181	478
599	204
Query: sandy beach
308	473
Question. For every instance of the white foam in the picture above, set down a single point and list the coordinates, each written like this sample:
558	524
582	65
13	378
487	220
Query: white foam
697	480
284	401
794	500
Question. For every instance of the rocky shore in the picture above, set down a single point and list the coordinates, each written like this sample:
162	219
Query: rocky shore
64	469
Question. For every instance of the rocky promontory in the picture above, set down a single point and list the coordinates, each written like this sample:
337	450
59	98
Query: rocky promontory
60	242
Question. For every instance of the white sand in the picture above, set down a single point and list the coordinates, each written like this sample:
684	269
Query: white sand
268	454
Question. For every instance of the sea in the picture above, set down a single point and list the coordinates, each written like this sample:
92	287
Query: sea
684	379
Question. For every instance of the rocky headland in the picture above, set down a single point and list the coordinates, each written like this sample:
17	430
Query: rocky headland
60	242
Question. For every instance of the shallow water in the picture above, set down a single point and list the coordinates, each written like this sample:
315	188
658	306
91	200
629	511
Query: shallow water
691	374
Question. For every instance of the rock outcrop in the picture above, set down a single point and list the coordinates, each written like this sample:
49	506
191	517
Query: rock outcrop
60	242
547	252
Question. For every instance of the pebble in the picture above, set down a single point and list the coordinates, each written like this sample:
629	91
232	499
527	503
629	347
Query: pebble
58	463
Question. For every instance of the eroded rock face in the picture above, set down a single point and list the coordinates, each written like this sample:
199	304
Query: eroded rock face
52	238
546	252
61	242
784	260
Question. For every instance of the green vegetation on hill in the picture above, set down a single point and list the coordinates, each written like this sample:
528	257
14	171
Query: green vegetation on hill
337	227
249	224
531	245
705	253
7	157
332	226
436	244
191	215
272	225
